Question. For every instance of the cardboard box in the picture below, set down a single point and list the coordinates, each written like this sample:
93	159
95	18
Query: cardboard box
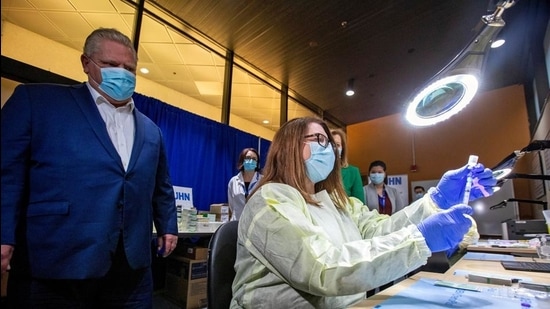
186	282
219	209
193	252
222	212
222	218
187	294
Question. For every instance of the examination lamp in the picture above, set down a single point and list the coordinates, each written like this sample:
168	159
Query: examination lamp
452	88
503	169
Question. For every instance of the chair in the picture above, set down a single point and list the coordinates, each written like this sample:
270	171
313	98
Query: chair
221	260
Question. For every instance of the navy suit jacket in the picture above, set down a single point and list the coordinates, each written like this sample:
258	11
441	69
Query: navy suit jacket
66	197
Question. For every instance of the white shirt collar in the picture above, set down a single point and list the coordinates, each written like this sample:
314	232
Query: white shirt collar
98	98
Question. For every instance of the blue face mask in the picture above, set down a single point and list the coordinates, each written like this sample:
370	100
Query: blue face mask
249	165
377	178
117	83
339	152
320	163
419	195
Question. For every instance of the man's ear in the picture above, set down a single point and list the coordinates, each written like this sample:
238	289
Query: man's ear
84	60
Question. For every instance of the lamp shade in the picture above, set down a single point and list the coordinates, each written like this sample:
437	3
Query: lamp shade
453	88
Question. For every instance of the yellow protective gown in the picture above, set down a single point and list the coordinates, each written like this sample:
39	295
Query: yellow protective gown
294	255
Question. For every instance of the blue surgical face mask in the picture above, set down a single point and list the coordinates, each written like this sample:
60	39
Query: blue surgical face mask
320	163
377	178
249	165
419	195
117	83
339	152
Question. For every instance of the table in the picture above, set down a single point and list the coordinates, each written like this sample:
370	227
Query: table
473	266
504	250
504	247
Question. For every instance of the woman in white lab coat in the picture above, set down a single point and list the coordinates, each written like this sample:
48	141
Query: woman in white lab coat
244	182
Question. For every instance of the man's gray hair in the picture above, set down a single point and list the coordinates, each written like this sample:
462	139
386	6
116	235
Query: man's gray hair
92	44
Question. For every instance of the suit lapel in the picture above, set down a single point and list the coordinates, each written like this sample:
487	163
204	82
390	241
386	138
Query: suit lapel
138	138
86	103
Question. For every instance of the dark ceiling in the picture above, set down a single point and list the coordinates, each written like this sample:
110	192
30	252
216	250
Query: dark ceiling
389	47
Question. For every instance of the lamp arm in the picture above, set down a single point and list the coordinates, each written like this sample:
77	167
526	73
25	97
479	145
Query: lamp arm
544	204
537	145
502	204
528	176
500	8
525	201
505	202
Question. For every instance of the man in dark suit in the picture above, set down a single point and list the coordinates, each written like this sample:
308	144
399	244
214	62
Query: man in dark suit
84	176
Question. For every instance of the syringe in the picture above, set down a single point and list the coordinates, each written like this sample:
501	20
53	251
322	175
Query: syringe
472	161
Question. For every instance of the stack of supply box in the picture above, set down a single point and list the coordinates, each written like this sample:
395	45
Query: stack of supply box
221	211
188	221
203	222
206	223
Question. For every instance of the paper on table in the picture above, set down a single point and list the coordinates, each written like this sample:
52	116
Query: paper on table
502	243
466	273
488	256
424	294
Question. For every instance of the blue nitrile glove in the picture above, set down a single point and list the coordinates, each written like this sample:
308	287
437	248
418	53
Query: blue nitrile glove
451	187
444	230
451	251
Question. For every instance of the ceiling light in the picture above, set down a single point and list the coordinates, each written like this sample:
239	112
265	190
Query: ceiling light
349	89
452	88
498	43
265	121
144	70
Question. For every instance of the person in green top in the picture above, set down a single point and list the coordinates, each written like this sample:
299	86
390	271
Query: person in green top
351	176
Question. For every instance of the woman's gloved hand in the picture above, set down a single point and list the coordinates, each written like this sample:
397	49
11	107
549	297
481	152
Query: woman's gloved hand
450	189
444	230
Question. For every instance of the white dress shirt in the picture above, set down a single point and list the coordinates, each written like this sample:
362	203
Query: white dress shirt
120	124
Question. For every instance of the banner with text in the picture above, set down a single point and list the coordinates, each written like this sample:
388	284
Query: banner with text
184	197
401	183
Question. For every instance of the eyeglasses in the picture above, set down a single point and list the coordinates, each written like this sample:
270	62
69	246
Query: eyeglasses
250	158
321	139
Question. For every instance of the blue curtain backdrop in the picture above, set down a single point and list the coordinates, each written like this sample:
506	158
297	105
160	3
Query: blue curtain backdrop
202	154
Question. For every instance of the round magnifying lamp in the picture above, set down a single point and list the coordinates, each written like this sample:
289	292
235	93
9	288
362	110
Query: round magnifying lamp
454	87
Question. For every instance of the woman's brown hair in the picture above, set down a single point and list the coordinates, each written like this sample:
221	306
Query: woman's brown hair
344	155
242	156
285	162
